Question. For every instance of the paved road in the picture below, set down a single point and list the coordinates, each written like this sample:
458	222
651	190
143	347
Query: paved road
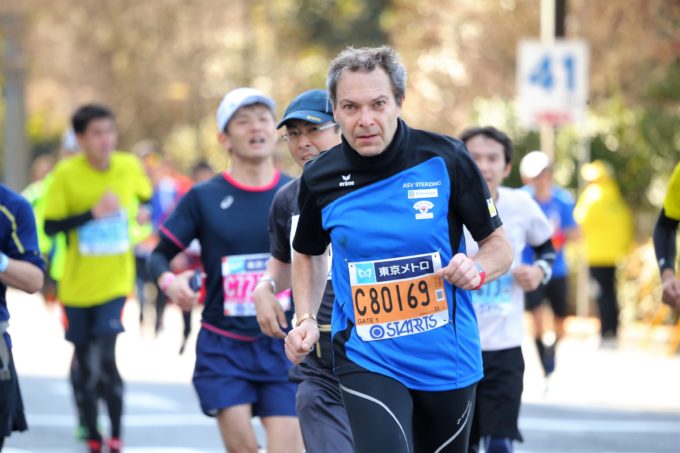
599	400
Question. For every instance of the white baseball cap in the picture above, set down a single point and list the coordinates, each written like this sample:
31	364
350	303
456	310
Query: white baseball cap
240	97
533	164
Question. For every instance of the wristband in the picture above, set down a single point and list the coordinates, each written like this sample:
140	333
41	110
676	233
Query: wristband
165	281
547	270
482	276
270	280
304	316
4	262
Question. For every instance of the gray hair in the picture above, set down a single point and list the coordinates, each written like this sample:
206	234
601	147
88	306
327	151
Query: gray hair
367	59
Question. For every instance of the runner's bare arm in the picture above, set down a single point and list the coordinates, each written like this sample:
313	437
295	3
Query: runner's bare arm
22	275
309	280
270	315
494	258
495	254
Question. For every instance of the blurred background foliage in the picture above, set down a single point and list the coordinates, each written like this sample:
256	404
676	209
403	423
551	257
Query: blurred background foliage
163	66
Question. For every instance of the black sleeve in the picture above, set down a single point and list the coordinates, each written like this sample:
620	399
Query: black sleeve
545	252
471	199
664	241
280	224
53	227
310	237
159	260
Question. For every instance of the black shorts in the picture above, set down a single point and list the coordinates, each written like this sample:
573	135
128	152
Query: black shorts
499	396
12	416
555	291
385	415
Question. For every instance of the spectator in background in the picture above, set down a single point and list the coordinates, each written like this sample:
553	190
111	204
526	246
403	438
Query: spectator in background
169	186
607	226
557	204
202	171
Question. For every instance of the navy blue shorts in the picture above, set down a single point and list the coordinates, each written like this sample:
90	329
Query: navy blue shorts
230	372
85	323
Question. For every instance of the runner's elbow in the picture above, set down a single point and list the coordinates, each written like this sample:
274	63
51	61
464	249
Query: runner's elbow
34	283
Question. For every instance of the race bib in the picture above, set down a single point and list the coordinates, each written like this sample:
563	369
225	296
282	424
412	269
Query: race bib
494	298
240	275
106	236
398	297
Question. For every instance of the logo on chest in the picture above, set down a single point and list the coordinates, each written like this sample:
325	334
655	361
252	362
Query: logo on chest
423	208
227	202
346	181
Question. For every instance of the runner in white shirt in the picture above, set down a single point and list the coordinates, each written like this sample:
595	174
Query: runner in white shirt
499	305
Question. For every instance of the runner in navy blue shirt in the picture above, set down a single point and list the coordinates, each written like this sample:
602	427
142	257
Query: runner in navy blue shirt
239	371
21	267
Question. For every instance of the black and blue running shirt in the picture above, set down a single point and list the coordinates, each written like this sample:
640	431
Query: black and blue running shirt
230	221
283	220
393	220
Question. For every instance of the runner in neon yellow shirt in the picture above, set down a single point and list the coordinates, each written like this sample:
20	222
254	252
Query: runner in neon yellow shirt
664	240
94	198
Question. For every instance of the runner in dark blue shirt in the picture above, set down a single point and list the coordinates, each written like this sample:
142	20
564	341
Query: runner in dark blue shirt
239	371
21	267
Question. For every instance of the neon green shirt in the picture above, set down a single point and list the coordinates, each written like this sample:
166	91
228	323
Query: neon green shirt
671	203
99	263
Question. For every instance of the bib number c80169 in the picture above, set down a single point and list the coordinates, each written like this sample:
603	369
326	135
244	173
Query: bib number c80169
398	297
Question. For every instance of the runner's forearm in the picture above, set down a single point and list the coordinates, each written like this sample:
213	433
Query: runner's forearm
280	273
664	242
545	252
22	275
495	254
309	281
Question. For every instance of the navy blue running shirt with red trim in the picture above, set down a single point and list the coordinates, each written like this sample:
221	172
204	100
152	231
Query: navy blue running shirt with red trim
393	220
230	220
18	236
